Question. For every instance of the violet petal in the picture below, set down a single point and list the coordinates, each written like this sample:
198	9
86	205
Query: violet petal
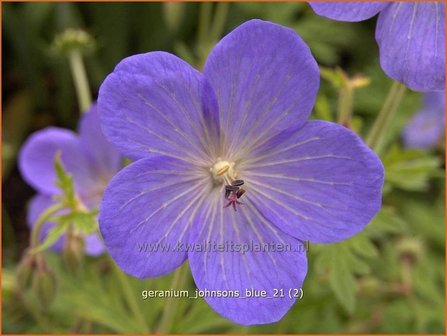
411	38
265	79
36	160
320	183
156	103
348	11
245	266
151	201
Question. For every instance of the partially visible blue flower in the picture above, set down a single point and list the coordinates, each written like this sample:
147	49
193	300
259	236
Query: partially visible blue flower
411	37
427	126
195	136
88	157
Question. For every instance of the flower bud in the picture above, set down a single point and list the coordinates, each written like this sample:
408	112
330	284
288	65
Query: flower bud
25	270
73	252
73	39
359	81
410	250
369	286
44	286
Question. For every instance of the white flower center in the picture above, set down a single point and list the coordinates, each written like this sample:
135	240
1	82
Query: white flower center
223	171
225	175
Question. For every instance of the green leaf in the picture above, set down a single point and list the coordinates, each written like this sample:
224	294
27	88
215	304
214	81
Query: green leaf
362	246
387	221
342	262
53	234
342	280
410	169
64	182
323	108
334	76
84	222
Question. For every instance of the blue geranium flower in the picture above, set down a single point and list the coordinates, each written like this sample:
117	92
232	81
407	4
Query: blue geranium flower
411	37
427	126
201	139
88	157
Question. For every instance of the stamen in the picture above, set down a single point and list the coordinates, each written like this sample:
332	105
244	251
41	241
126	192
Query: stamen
237	183
223	170
224	173
240	192
233	192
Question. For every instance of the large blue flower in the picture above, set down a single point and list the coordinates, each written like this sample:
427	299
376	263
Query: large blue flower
411	37
88	157
195	135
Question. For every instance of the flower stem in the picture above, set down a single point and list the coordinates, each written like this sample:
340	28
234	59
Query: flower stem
35	233
80	80
130	297
381	125
345	99
220	17
169	307
204	24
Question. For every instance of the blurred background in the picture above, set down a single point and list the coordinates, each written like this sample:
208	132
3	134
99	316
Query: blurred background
388	279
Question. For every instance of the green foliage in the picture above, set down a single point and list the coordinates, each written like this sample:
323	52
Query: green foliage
65	183
410	169
78	219
53	235
83	221
342	262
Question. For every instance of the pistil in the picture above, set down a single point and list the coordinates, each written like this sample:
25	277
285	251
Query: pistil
223	172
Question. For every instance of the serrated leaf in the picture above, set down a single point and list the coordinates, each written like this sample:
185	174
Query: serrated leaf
357	265
362	246
84	222
341	262
387	221
53	234
410	169
342	282
64	182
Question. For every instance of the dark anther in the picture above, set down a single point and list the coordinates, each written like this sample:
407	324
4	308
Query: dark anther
240	192
237	183
233	193
229	189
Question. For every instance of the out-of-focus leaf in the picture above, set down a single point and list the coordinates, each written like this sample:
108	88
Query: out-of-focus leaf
362	246
342	262
53	234
182	50
341	279
173	13
200	319
37	14
426	218
386	222
323	109
327	37
342	282
271	11
9	242
16	120
84	222
410	169
335	77
65	183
